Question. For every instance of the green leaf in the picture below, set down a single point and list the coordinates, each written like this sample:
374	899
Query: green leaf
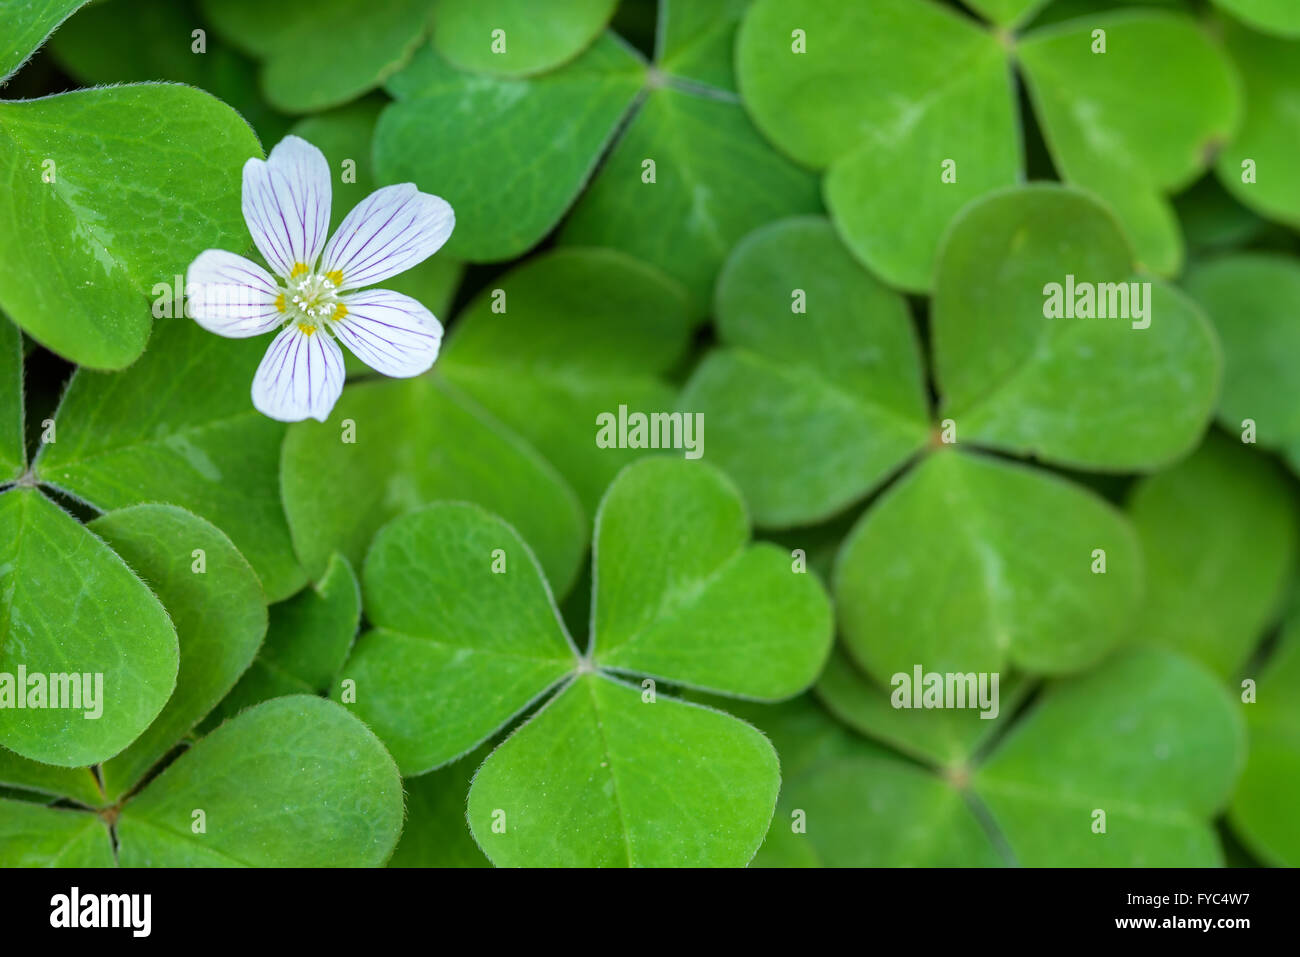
79	784
436	832
508	38
1253	300
215	601
70	606
697	40
679	596
1007	13
33	836
946	737
1269	128
1012	554
321	53
178	427
535	141
1149	738
1281	17
883	95
417	441
308	638
1262	812
456	649
25	25
578	333
294	782
1016	380
79	254
838	388
1130	133
715	179
1219	534
705	799
13	453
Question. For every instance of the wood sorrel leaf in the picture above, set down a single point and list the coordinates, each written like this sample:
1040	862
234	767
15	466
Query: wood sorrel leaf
456	649
1219	534
178	427
26	775
564	338
508	38
308	638
112	223
663	784
907	104
1127	132
410	442
1253	299
713	179
34	836
1271	16
1149	738
1019	553
823	363
294	782
679	596
215	601
697	40
321	53
25	26
1263	808
1128	388
79	620
13	454
1257	166
535	140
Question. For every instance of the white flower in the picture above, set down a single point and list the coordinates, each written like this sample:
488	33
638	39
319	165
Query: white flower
319	295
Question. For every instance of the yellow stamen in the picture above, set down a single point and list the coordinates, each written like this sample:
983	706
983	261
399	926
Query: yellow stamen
339	312
335	276
306	329
279	302
299	269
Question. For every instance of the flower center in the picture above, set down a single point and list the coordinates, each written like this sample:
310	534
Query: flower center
309	299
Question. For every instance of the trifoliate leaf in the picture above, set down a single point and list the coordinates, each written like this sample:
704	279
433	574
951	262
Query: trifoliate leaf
536	140
1219	534
77	622
822	363
34	836
178	427
508	38
1031	570
294	782
86	232
697	40
215	601
321	53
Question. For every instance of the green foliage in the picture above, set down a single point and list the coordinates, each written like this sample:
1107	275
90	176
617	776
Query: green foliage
507	38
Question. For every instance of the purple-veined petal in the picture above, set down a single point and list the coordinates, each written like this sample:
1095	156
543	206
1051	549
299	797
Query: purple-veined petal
388	232
230	295
286	203
389	332
301	376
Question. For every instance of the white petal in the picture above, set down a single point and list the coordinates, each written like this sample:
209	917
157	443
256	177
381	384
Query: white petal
388	232
389	332
286	202
301	376
230	295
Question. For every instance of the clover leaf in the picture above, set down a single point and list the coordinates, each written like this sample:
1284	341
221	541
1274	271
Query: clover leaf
86	233
1122	767
1262	812
1001	535
25	27
322	53
178	427
565	337
466	636
910	109
696	40
1218	531
507	38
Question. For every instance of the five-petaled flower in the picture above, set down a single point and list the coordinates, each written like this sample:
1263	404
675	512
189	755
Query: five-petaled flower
320	296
